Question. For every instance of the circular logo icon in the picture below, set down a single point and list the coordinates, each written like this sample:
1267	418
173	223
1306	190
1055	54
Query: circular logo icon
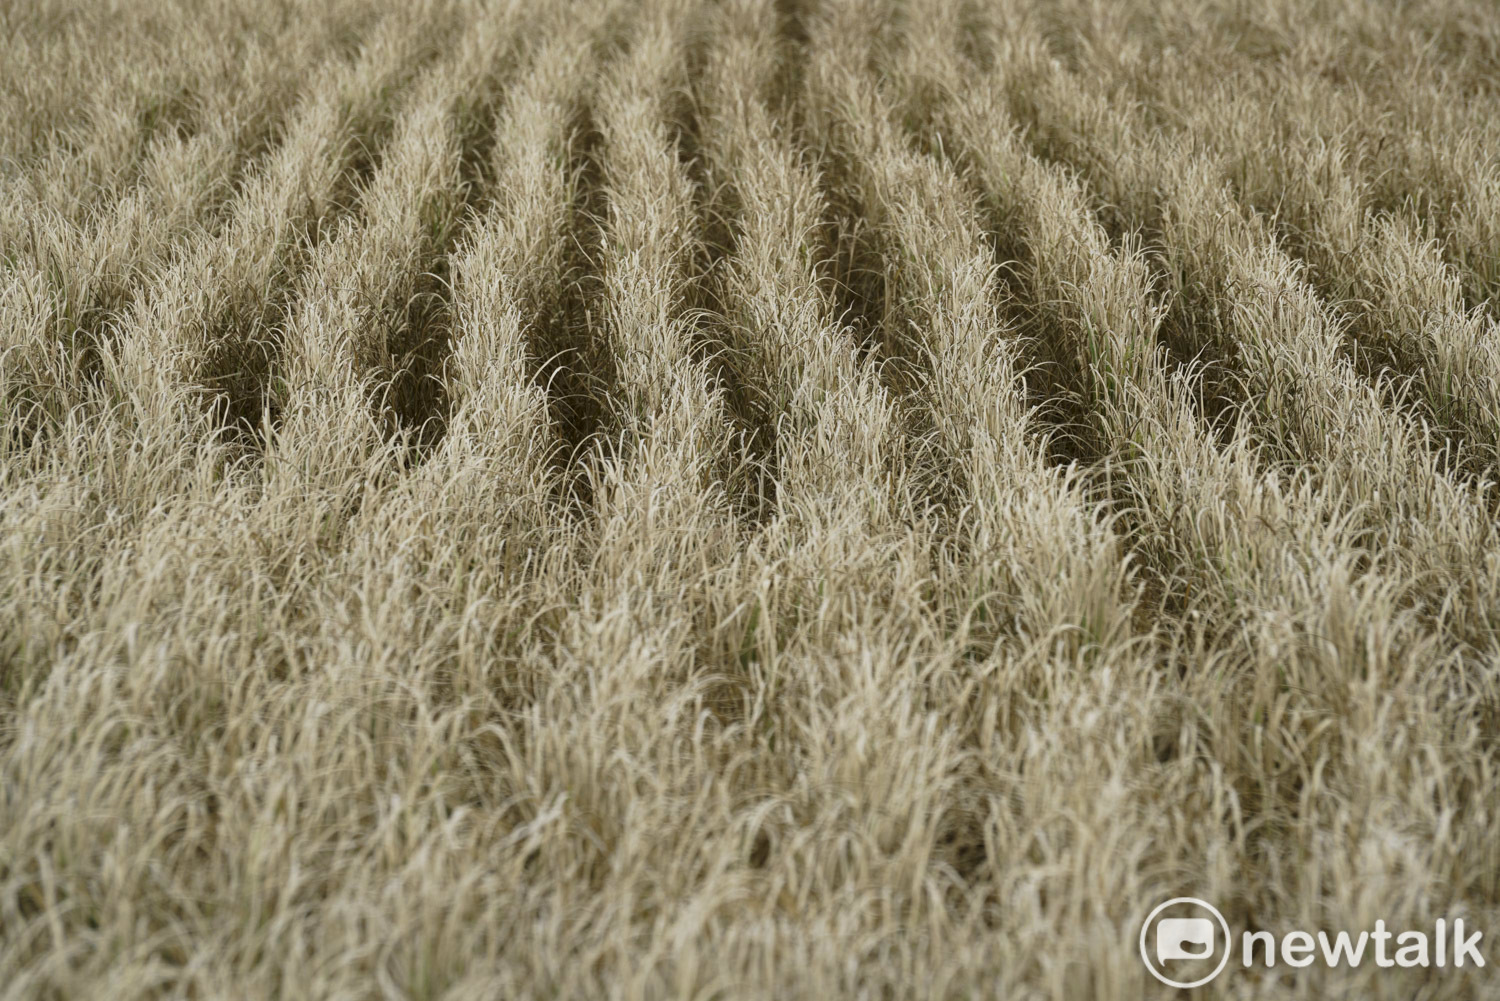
1187	935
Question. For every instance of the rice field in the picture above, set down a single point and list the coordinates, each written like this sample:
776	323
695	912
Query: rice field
743	499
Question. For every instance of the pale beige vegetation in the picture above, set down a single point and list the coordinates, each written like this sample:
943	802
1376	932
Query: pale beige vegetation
742	498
